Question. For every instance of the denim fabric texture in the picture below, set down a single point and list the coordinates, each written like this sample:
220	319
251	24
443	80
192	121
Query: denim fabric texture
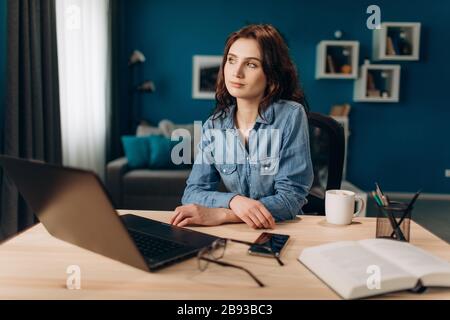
275	170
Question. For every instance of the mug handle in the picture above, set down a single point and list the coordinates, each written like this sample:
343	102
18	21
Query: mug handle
362	204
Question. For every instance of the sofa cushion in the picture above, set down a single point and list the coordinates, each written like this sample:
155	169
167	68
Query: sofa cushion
145	129
160	153
136	150
155	182
170	130
168	127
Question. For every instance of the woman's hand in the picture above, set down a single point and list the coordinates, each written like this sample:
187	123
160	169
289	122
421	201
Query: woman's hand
193	214
252	212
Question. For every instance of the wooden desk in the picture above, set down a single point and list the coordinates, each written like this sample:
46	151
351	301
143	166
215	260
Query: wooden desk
33	266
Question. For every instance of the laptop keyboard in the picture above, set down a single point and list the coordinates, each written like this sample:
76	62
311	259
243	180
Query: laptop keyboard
151	246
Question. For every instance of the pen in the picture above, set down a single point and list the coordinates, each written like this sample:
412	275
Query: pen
385	202
379	189
384	199
411	203
387	199
377	199
379	193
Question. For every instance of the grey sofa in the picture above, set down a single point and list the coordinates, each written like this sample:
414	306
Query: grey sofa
145	189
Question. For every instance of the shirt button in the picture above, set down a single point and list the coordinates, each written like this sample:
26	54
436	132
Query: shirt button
247	158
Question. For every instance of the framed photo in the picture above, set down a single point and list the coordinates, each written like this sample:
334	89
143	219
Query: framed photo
204	76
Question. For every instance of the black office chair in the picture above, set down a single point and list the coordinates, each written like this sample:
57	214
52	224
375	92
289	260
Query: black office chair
327	143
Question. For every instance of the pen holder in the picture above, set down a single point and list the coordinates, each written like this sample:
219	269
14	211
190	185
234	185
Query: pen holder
393	221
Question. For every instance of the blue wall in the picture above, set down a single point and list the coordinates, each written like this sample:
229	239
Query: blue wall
2	65
404	146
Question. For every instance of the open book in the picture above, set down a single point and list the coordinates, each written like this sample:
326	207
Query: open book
358	269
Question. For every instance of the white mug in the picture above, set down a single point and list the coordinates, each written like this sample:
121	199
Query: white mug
340	206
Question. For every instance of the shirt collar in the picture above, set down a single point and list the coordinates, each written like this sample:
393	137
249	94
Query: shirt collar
266	119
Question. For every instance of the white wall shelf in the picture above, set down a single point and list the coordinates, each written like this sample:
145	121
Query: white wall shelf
337	59
377	83
396	41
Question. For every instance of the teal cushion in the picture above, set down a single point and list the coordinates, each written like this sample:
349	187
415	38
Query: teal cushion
136	150
160	153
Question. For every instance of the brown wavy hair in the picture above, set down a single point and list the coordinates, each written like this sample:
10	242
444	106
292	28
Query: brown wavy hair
280	71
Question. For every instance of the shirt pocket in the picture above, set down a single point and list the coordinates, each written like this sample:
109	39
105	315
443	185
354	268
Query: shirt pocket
269	166
230	176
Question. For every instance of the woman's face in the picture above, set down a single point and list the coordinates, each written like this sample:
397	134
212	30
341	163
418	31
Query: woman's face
243	71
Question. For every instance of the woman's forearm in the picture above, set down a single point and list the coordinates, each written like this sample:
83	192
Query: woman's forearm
206	198
228	215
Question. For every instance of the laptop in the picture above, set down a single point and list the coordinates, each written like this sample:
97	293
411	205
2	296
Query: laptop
74	206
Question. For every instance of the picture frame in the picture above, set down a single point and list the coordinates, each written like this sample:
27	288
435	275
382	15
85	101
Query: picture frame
205	69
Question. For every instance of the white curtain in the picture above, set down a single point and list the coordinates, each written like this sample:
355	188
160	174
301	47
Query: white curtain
83	55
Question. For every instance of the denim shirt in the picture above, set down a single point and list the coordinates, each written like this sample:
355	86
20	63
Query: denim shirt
275	170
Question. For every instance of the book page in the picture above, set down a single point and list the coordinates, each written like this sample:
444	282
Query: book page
432	270
347	267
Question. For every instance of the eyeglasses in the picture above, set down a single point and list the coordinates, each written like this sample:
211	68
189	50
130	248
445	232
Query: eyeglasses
214	252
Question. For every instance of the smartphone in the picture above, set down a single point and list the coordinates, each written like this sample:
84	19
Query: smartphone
276	243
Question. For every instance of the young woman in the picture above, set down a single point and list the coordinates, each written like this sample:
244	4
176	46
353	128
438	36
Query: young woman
260	106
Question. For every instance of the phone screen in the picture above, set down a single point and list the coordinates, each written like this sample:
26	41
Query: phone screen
275	242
